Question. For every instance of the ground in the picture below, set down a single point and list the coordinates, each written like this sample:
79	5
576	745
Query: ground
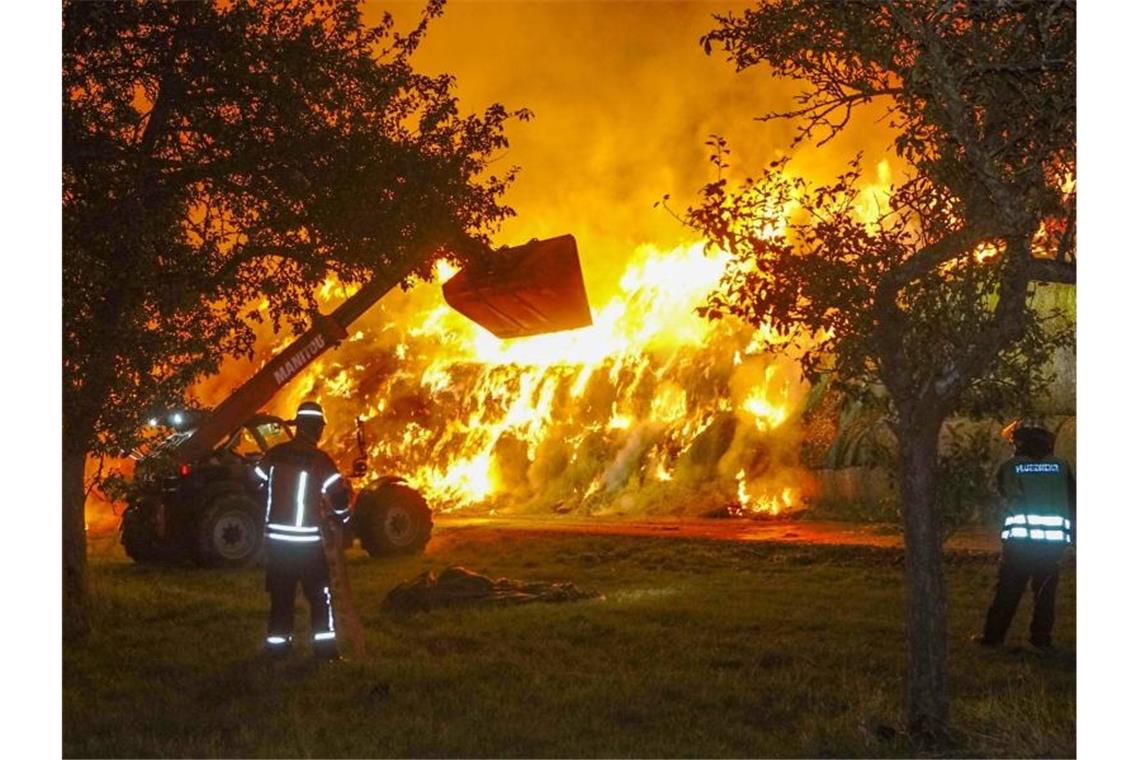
697	647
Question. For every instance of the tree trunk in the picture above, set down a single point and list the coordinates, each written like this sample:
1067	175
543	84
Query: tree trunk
75	613
927	696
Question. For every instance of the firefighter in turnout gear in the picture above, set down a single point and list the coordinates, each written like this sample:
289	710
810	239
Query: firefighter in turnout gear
1038	493
298	478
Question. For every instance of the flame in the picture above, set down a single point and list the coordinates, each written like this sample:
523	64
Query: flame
445	270
649	406
874	198
767	501
768	412
649	398
986	252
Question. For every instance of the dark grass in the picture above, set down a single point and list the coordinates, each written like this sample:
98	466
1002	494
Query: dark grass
697	649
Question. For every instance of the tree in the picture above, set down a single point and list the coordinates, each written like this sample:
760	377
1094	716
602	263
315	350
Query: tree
927	298
220	161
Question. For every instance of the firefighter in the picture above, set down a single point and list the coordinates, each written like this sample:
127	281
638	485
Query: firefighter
298	477
1038	492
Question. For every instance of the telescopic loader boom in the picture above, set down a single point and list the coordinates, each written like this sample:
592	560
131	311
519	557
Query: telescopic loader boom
512	294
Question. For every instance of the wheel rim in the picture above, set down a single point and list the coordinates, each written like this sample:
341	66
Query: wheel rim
398	527
233	535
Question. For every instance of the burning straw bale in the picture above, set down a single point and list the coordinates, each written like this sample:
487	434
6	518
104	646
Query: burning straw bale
630	415
458	586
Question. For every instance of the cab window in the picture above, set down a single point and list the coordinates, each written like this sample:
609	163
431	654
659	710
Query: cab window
273	433
246	444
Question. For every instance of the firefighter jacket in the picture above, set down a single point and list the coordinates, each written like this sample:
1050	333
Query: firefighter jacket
1039	497
298	477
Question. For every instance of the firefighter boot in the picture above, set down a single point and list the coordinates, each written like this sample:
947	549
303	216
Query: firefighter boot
278	647
324	647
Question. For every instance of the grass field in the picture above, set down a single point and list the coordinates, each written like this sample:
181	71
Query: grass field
697	649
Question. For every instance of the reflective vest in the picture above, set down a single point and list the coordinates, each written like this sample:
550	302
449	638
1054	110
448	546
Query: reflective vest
298	477
1038	496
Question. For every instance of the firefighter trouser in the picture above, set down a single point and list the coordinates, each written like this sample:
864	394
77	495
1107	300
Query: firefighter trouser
1021	562
289	564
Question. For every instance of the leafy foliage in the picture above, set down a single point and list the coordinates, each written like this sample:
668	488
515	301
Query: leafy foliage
965	477
809	260
221	160
925	294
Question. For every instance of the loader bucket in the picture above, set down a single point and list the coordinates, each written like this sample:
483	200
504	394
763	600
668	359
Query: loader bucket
525	290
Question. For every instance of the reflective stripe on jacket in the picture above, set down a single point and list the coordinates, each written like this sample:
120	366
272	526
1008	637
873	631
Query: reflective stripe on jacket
1048	528
299	475
1038	496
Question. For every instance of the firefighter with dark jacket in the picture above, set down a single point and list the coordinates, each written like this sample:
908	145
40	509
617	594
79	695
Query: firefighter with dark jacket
1038	492
299	477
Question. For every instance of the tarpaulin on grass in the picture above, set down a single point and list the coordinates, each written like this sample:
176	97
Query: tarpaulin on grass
457	586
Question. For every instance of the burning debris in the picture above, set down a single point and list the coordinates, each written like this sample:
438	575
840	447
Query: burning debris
458	586
650	410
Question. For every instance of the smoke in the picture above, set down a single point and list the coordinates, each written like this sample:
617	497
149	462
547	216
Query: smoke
624	98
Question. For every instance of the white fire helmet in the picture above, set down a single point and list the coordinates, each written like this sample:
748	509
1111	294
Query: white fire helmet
310	412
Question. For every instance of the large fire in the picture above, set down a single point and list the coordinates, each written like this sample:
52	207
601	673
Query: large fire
652	410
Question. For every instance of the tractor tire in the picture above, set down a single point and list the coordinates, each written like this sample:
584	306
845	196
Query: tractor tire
392	518
229	532
136	534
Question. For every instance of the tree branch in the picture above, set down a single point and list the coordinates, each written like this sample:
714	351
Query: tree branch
926	261
817	112
1068	241
1005	327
